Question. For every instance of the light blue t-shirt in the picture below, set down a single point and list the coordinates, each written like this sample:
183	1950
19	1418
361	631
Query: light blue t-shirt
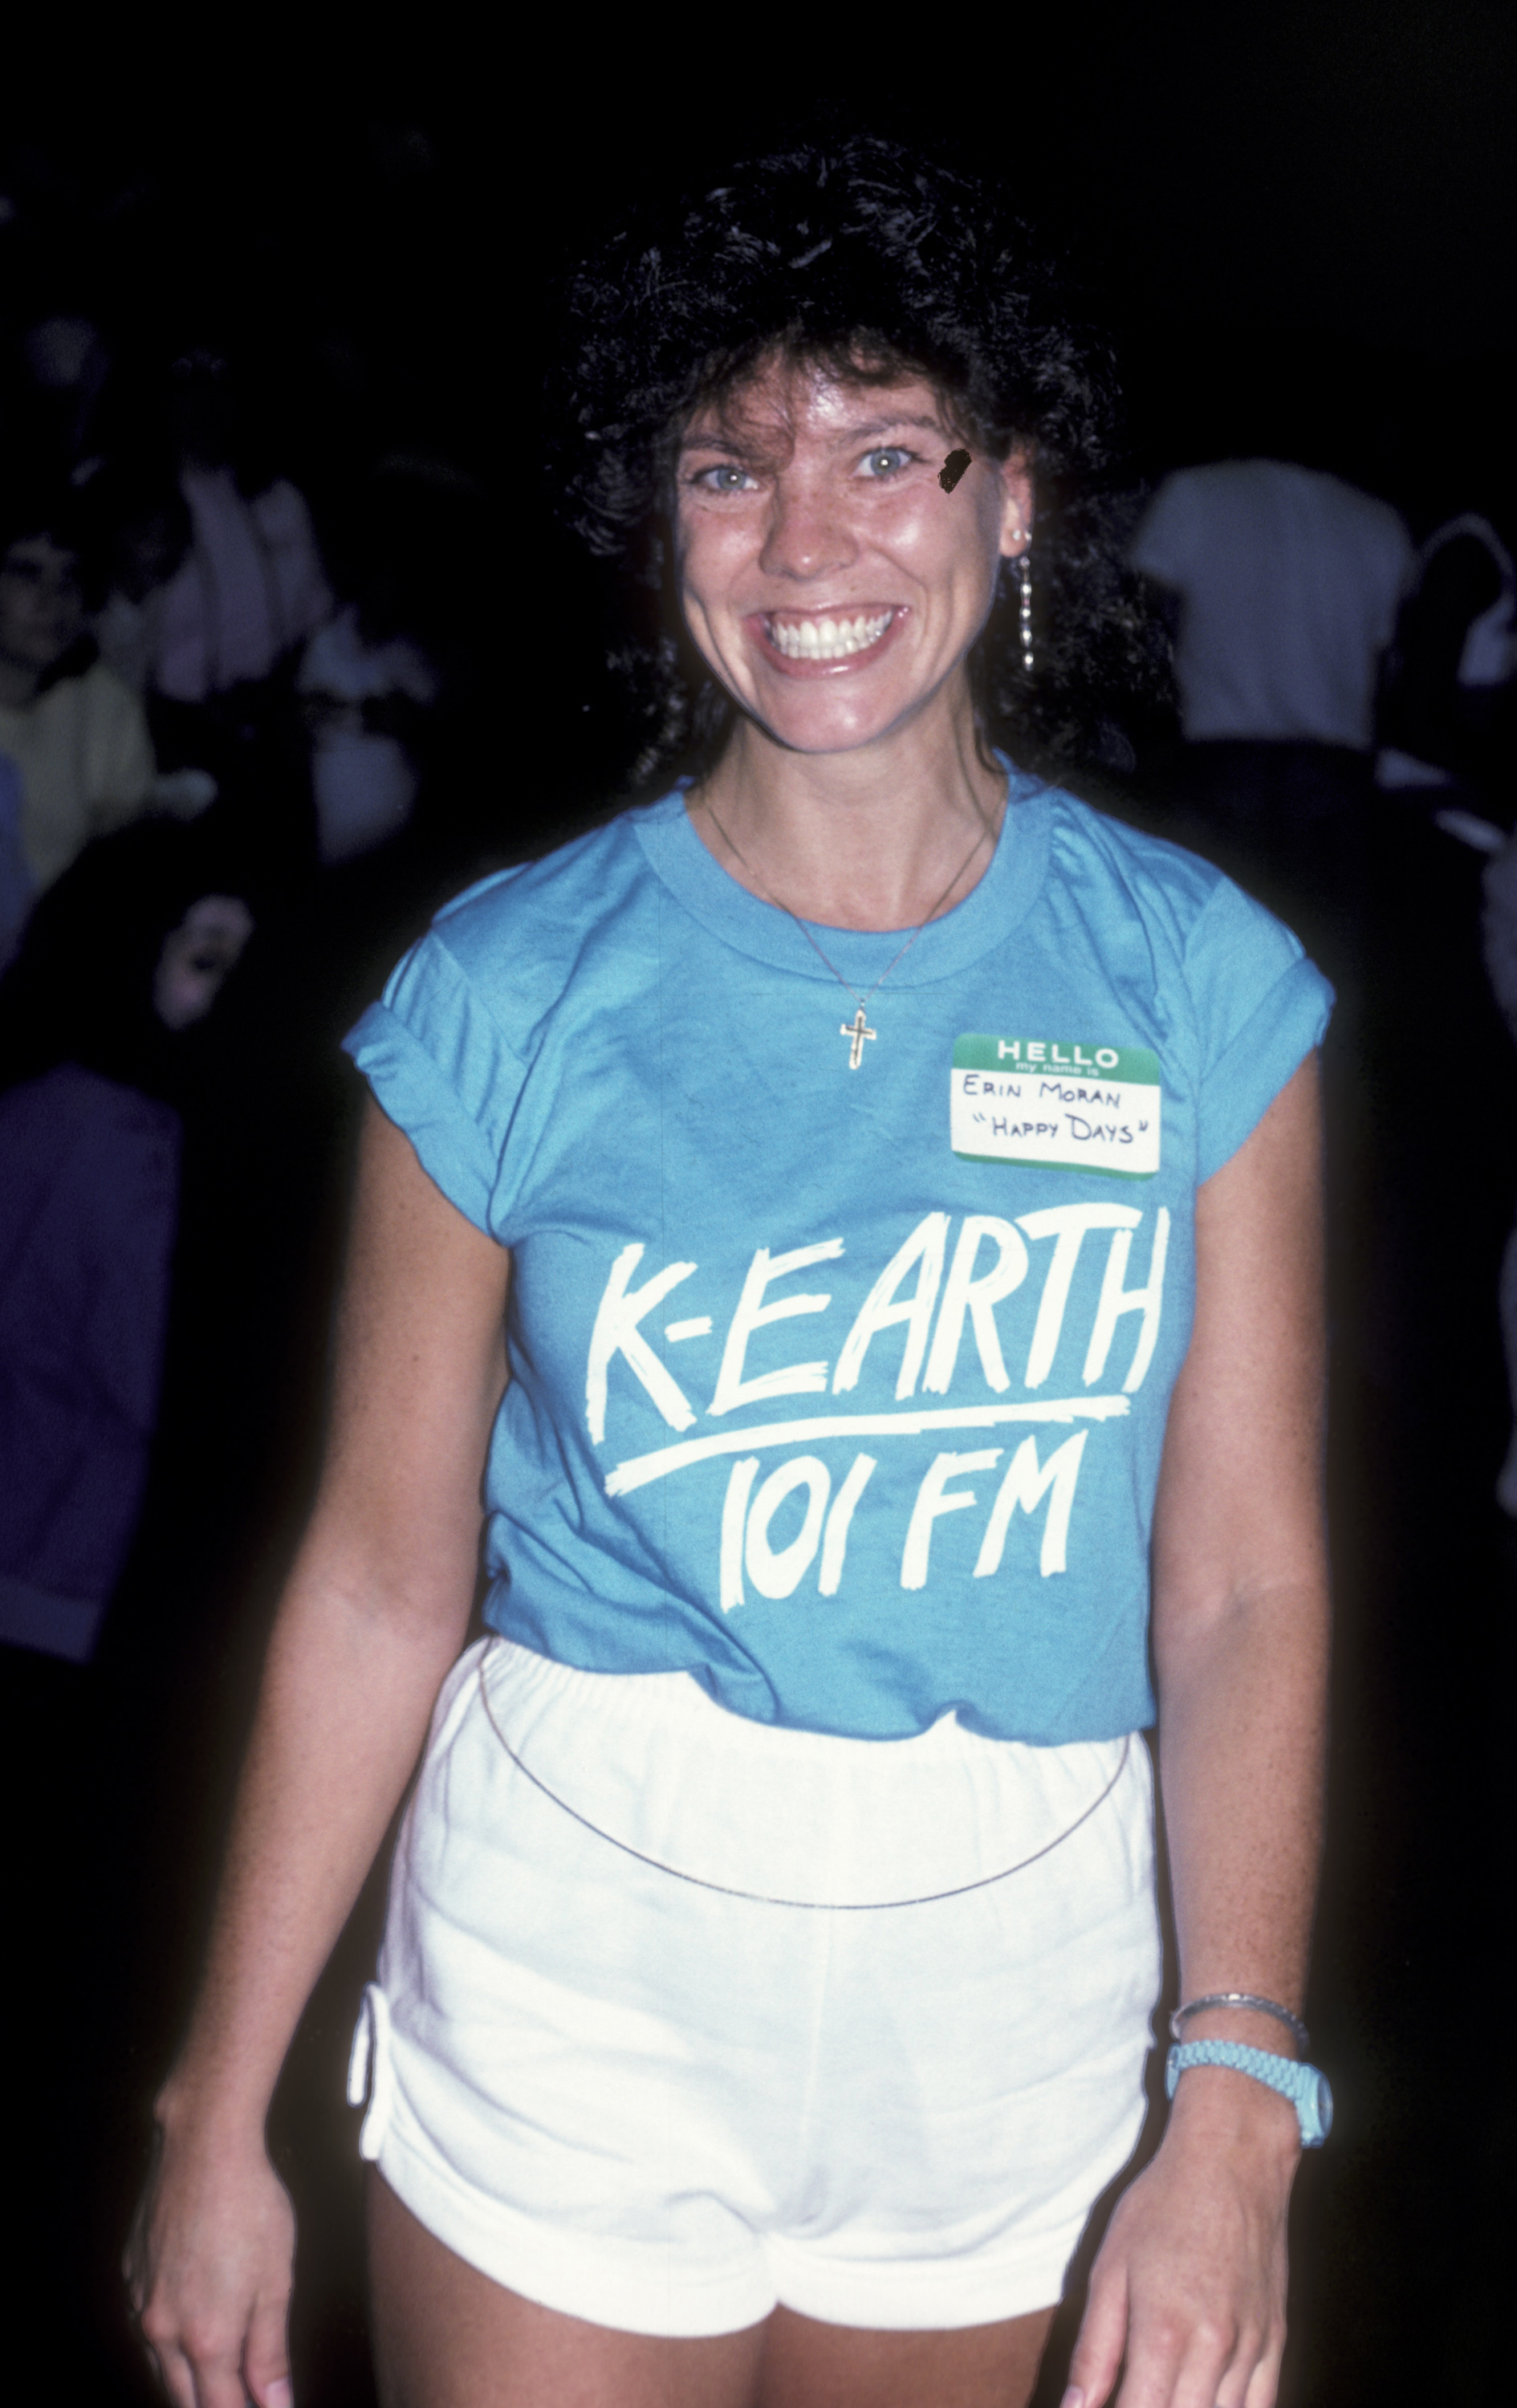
843	1389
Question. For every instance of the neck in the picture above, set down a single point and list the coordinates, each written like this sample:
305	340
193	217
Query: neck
883	836
19	683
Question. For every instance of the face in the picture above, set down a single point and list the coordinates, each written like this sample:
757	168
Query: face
41	609
828	579
196	957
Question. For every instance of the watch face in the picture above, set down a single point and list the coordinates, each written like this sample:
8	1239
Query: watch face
1324	2104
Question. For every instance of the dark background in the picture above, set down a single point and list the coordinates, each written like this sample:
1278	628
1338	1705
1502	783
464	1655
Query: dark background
1302	222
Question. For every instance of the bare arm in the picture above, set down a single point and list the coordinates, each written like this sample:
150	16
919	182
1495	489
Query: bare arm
375	1612
1190	2283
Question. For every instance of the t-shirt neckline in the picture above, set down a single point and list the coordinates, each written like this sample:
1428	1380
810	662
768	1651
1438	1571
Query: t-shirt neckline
767	933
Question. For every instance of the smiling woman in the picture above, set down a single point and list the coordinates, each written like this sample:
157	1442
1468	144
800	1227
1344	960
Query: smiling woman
772	1940
822	573
880	276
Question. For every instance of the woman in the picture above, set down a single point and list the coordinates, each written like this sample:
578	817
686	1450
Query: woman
772	1940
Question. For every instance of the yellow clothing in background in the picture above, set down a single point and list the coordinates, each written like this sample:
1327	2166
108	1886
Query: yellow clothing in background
86	765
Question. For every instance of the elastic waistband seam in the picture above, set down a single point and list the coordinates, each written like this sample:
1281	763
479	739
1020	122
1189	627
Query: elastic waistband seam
809	1905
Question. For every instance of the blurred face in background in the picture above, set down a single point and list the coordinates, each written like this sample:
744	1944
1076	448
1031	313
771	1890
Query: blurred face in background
41	606
198	956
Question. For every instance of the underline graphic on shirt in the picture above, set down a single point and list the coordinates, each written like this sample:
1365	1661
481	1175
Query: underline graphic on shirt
640	1468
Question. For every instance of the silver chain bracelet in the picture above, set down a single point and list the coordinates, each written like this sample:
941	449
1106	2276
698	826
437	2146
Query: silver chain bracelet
1243	1999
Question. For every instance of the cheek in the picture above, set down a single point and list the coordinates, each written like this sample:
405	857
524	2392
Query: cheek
950	552
710	552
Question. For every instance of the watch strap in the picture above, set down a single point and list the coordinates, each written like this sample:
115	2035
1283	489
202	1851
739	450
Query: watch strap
1304	2086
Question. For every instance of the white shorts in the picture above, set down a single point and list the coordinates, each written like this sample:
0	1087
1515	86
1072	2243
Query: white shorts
678	2017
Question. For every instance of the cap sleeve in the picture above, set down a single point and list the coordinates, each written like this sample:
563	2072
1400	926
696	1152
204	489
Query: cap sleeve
441	1070
1261	1008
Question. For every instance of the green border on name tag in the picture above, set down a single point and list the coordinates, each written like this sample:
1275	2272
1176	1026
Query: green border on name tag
1058	1057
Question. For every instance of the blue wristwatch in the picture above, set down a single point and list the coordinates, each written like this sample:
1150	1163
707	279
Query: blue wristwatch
1305	2088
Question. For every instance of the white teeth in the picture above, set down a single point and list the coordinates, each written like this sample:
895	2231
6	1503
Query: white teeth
827	639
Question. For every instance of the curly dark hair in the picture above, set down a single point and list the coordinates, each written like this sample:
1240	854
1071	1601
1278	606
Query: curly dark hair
867	259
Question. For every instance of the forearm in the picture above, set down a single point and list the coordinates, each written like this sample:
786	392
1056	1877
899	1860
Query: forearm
1189	2291
352	1673
1242	1719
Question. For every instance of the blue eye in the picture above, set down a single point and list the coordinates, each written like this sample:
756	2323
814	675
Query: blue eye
723	478
888	461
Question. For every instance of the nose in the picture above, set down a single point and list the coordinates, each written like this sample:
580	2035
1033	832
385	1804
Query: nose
808	535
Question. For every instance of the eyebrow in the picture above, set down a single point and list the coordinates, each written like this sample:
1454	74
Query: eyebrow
883	425
721	441
724	441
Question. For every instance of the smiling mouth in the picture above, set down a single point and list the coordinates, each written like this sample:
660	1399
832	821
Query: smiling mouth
825	639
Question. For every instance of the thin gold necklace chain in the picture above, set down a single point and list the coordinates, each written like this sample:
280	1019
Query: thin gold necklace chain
860	999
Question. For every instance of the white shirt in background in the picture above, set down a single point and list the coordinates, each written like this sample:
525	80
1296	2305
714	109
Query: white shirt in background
1290	582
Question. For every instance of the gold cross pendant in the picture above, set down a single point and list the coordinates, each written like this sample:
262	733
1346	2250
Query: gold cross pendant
858	1029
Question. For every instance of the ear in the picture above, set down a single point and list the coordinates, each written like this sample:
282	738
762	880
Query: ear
1016	505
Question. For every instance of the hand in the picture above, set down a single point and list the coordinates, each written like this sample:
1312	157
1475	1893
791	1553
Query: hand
1187	2296
210	2265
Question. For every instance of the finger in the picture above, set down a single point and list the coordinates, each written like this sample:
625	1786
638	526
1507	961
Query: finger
1264	2383
160	2339
199	2369
266	2365
1103	2336
219	2384
1175	2362
1250	2377
174	2376
134	2267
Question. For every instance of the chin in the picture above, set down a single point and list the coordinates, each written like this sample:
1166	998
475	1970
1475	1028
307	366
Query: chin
826	724
822	741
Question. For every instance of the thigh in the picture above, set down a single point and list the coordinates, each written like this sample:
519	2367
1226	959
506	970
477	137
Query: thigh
810	2365
446	2336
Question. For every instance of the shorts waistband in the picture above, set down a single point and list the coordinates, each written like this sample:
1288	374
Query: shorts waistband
654	1767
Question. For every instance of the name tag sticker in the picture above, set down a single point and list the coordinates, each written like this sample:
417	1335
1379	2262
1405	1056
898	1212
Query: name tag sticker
1046	1100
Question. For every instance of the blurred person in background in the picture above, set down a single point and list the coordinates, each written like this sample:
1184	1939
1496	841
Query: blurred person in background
68	361
1449	721
251	586
387	687
75	731
1448	708
213	584
76	734
1286	582
145	534
123	960
362	696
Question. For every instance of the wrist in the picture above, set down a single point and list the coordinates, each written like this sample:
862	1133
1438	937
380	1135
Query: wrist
195	2103
1244	2024
1304	2086
1220	2110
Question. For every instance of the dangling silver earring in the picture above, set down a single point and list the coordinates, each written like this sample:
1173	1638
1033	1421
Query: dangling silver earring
1025	608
